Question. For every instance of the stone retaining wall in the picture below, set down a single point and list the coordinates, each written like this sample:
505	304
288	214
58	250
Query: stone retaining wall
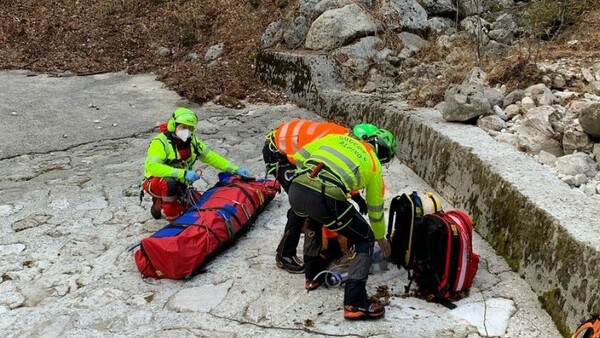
547	232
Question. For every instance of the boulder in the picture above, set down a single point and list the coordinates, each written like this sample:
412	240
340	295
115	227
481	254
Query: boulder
470	7
512	110
532	141
508	138
589	118
513	97
596	154
527	103
464	102
313	8
336	27
272	35
576	164
445	8
503	36
540	94
476	27
476	76
575	140
296	31
439	24
495	50
404	15
506	22
491	122
546	159
412	44
560	118
214	52
535	133
577	106
364	48
494	95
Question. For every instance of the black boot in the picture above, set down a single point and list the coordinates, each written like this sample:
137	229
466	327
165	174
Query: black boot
356	303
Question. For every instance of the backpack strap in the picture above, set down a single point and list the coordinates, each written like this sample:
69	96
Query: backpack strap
247	193
415	200
394	204
413	208
411	278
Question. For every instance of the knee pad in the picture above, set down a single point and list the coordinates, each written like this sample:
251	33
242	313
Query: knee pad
312	242
359	267
173	209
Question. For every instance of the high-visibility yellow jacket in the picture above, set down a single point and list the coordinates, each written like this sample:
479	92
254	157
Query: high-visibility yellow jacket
163	159
355	164
290	136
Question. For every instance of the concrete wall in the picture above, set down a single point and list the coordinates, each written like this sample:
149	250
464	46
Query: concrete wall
546	231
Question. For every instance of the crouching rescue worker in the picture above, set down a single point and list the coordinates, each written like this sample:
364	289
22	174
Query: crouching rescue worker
328	169
170	160
281	144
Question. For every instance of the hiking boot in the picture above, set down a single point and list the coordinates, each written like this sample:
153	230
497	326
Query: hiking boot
374	311
155	209
308	285
292	264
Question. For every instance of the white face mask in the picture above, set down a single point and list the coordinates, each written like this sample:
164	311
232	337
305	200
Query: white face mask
183	134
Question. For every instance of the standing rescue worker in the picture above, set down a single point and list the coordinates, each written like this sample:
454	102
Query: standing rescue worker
281	145
328	169
170	160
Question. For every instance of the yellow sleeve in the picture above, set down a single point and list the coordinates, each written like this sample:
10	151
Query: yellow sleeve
374	198
213	158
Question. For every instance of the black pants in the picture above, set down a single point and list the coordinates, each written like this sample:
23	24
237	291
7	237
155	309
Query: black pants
344	219
293	228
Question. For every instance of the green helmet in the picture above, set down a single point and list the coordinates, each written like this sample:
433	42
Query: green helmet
385	144
364	130
182	116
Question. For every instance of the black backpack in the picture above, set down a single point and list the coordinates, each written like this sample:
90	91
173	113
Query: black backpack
406	211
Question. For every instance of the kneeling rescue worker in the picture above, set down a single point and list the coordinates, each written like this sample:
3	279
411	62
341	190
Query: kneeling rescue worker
328	169
170	160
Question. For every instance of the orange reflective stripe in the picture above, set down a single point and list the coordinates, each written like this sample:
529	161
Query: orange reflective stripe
277	134
282	140
326	129
310	129
293	135
296	135
305	134
288	136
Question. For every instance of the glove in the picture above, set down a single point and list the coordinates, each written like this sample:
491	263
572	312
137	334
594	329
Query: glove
191	176
244	173
362	204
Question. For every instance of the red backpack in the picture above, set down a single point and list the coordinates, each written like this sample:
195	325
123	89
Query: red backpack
444	262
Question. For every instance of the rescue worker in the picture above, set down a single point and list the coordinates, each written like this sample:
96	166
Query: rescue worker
278	153
328	169
170	160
